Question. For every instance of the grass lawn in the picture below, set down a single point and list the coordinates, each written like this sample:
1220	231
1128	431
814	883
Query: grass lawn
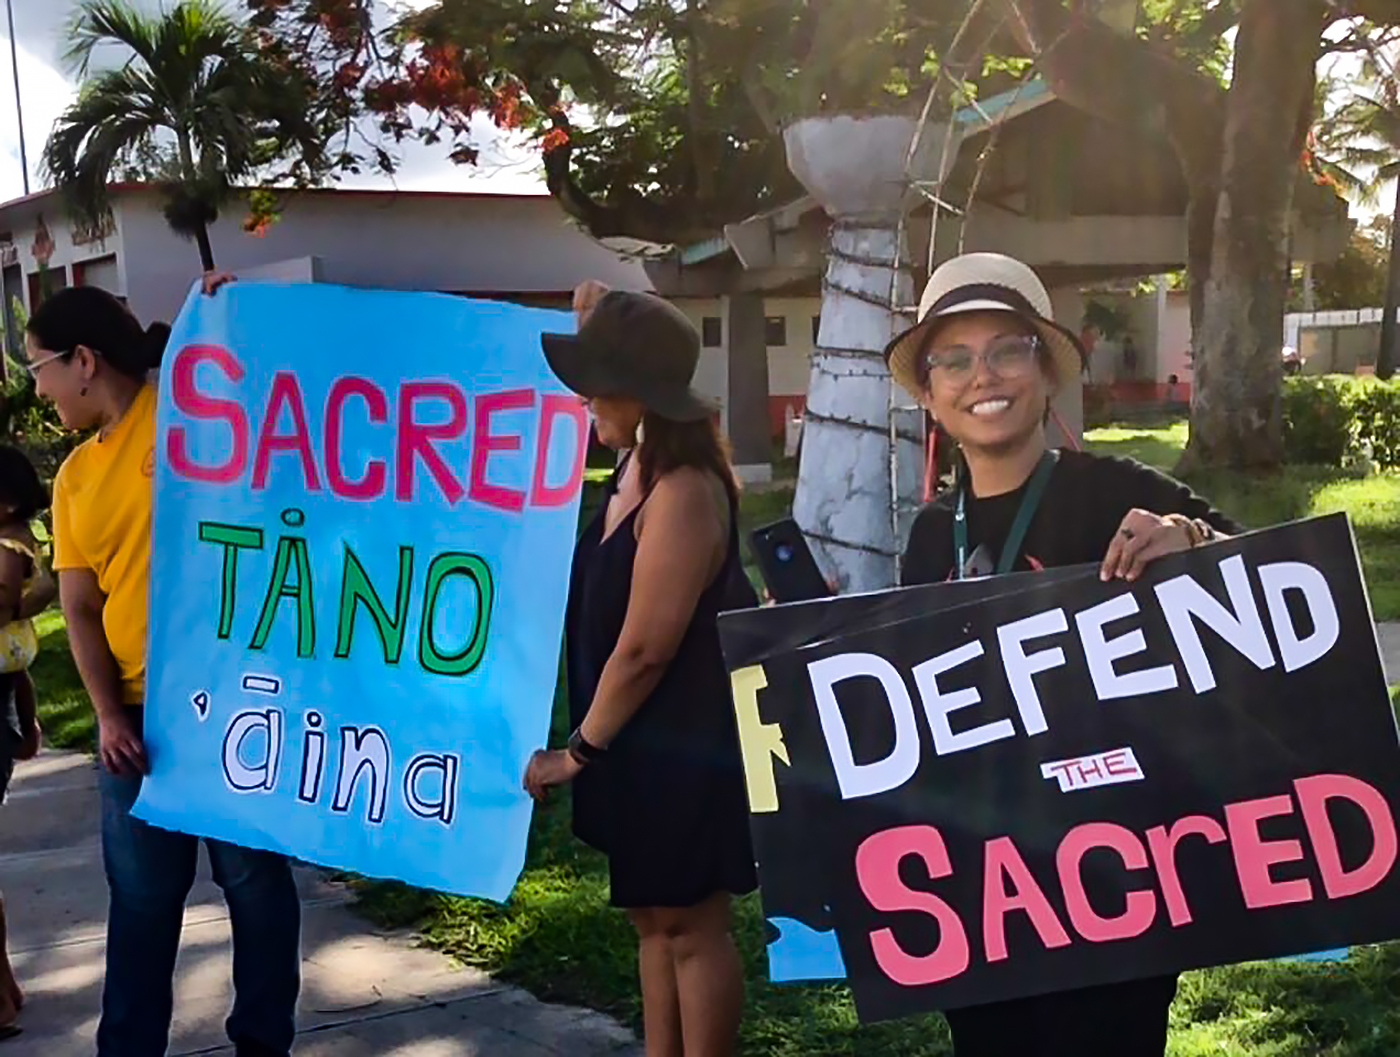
64	708
1300	491
558	937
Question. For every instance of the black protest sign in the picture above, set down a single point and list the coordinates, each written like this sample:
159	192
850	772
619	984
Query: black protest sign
751	635
1083	783
788	859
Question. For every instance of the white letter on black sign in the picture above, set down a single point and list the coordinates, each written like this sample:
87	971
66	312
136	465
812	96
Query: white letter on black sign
865	779
1021	668
1295	576
1101	652
938	705
1183	599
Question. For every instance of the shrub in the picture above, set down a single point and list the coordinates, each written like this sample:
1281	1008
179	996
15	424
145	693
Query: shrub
1098	406
1317	421
1376	413
1337	420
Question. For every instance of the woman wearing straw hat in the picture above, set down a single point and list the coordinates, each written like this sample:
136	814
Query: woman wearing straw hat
654	757
985	359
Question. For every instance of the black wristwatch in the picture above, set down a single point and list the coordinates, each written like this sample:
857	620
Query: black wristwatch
583	752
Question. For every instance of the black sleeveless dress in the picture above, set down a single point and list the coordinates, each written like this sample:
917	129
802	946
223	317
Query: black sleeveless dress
667	805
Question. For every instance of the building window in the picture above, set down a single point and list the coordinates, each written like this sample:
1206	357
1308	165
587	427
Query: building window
43	284
775	332
816	329
100	271
711	332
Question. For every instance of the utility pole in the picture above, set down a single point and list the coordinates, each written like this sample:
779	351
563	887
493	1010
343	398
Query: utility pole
19	106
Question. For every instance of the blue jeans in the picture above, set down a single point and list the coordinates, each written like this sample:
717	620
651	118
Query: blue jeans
149	874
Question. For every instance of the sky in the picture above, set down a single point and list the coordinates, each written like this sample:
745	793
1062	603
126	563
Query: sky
45	91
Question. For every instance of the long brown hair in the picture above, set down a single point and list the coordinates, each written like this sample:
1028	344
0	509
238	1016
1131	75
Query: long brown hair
671	445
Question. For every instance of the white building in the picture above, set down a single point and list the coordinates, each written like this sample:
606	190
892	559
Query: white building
515	247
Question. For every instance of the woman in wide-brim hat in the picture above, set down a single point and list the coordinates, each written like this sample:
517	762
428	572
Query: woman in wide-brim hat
985	359
654	755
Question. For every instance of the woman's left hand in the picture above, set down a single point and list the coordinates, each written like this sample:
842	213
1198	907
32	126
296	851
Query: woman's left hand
549	769
1143	537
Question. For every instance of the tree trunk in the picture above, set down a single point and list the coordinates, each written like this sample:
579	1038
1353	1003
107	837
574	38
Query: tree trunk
1236	409
1200	241
190	174
700	138
1385	358
206	249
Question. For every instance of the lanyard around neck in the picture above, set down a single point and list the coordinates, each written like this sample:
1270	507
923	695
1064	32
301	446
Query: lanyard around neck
1035	490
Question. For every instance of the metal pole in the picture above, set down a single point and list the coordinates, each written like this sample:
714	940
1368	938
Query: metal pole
19	107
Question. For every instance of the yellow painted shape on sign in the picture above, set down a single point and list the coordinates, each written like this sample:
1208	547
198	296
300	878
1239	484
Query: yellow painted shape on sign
758	741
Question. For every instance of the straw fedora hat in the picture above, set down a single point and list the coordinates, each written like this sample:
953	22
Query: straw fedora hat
983	282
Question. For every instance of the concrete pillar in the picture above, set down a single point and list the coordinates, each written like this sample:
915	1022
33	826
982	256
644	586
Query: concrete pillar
1068	304
1159	325
852	450
750	433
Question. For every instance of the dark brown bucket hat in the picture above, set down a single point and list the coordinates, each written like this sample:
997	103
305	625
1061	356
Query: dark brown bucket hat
633	345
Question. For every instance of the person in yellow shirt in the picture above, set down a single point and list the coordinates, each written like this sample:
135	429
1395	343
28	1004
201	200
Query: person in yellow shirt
91	359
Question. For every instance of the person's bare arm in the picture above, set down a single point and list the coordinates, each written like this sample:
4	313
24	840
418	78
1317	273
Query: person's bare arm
82	609
119	745
681	543
43	590
12	570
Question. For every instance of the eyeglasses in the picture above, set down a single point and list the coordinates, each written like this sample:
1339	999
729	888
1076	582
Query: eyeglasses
34	366
1009	357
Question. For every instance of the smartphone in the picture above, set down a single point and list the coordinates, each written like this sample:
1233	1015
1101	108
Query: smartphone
787	564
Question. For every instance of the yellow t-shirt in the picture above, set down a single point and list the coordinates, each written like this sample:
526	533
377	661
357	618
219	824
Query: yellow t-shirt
102	522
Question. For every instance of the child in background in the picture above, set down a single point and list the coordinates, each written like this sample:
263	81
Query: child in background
22	499
24	590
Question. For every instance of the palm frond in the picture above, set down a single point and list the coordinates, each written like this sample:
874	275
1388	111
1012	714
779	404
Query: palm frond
113	115
109	22
195	107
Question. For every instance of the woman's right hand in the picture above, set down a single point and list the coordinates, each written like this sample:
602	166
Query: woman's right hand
213	280
119	746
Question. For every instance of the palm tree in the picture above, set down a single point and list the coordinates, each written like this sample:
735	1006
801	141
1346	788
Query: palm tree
1359	151
194	107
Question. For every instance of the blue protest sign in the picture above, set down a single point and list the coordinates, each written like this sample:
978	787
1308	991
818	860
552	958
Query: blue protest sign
365	505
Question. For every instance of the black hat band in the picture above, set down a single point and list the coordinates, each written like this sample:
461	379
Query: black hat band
1014	300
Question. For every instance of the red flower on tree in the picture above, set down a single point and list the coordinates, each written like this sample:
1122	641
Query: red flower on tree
553	140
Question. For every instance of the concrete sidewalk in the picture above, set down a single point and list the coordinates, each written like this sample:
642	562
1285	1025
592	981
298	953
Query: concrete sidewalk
364	993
